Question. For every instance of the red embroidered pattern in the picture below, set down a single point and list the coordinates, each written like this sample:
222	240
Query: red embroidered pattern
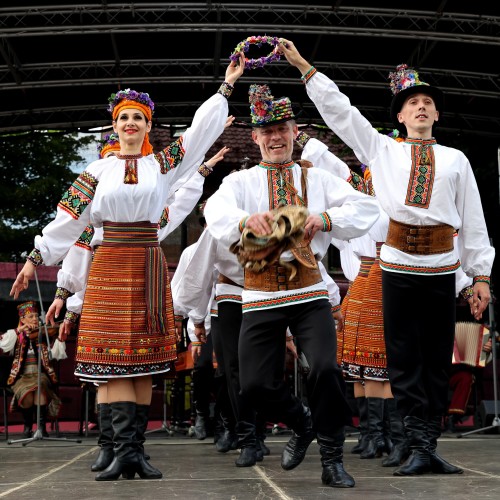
288	299
422	173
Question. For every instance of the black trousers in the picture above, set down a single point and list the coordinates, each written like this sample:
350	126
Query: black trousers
419	326
262	360
203	379
226	348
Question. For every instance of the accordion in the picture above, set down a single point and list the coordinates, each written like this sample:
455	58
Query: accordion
469	342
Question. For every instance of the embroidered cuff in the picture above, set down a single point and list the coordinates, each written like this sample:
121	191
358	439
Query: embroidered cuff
481	279
467	292
72	317
242	223
62	293
178	317
205	170
199	325
35	257
226	89
302	139
306	77
327	222
196	343
336	308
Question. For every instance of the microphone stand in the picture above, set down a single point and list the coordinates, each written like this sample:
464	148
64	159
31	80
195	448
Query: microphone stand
492	325
38	435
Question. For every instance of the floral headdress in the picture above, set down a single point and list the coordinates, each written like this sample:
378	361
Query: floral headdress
264	110
260	62
110	142
129	98
130	95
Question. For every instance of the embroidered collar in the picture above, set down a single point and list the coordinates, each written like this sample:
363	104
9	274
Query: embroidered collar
421	142
276	166
129	157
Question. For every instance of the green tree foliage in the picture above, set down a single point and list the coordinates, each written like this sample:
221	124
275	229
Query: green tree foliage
35	170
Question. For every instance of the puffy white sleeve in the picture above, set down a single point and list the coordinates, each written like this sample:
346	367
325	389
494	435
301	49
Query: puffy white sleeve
8	341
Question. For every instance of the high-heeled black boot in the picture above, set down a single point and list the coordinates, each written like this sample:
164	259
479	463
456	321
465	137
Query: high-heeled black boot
127	459
363	438
400	450
105	440
376	443
146	470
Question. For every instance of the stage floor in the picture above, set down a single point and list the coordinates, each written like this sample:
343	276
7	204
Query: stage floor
192	469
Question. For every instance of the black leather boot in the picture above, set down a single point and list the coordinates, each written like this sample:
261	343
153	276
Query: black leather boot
260	429
105	440
331	449
200	426
400	450
146	469
127	458
419	461
228	440
303	435
376	443
438	464
363	438
43	420
247	442
28	421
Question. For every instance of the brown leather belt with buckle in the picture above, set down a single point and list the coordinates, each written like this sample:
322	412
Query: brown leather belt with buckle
227	281
420	240
276	278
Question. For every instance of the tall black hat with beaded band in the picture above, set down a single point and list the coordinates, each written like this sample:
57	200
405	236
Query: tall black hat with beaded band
405	82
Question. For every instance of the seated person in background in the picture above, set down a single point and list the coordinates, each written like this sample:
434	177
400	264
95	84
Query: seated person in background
22	343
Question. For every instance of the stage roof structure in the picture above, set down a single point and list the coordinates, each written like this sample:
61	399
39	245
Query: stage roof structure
60	60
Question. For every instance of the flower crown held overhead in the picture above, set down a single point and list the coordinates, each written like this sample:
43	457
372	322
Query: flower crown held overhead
130	95
260	62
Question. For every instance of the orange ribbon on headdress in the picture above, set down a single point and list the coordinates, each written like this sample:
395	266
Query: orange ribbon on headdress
146	148
109	148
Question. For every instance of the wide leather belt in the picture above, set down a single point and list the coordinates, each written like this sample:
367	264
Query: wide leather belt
276	278
227	281
420	240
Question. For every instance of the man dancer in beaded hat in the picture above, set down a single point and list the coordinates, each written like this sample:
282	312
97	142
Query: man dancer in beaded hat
428	191
273	300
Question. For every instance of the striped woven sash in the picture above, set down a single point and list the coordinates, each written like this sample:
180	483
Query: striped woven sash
158	295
